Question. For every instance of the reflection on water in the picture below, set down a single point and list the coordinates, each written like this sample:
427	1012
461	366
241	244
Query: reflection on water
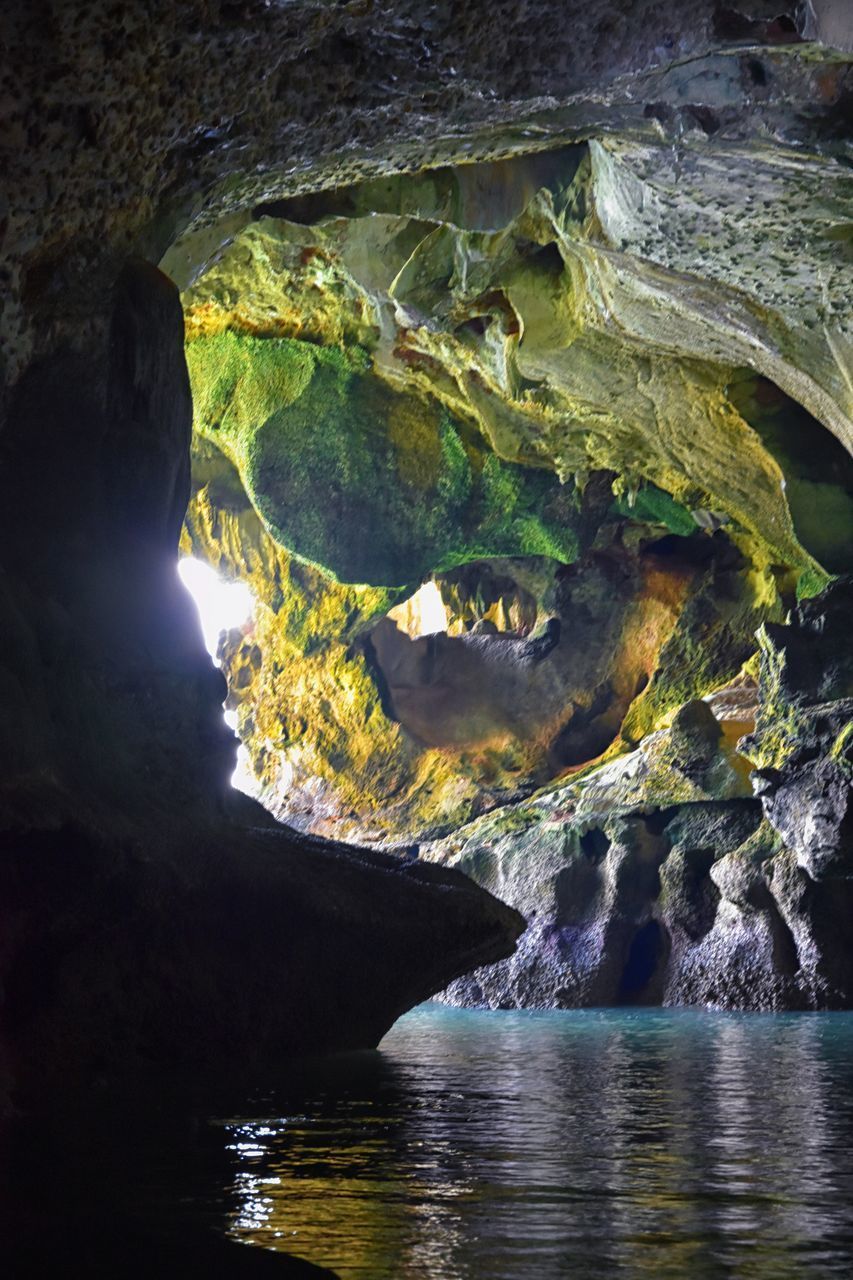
546	1145
476	1146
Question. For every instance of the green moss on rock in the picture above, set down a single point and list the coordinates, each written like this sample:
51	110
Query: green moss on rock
652	506
372	484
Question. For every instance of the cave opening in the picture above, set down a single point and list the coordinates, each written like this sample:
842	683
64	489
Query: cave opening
644	964
222	605
816	468
488	366
225	609
462	626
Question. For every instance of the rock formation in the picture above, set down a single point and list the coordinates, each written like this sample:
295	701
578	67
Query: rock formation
558	354
151	916
557	320
662	878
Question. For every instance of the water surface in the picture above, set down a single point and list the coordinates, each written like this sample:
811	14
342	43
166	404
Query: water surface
478	1146
615	1143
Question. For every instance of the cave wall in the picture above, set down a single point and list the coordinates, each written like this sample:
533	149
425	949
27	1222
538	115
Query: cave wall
704	868
110	685
150	917
611	310
135	132
325	302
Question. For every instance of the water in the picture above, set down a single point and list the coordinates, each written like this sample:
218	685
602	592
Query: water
511	1145
498	1146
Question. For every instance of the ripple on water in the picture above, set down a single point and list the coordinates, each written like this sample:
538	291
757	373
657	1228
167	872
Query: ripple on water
511	1145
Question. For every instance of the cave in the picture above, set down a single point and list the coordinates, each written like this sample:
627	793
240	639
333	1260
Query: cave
426	587
646	955
816	468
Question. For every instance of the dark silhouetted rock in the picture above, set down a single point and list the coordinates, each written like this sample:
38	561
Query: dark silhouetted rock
150	917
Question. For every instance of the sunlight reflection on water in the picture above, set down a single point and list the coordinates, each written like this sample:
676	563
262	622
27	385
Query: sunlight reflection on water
507	1145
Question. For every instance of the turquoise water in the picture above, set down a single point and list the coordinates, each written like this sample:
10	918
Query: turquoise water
476	1146
512	1145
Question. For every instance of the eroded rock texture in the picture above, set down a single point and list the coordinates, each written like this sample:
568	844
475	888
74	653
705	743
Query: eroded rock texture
660	877
577	291
804	735
627	355
604	326
354	724
419	373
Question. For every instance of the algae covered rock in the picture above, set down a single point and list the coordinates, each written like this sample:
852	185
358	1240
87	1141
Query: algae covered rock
574	330
417	375
803	740
353	719
658	877
598	348
371	484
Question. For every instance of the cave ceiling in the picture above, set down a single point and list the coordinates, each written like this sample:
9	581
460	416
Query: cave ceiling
133	129
601	328
567	292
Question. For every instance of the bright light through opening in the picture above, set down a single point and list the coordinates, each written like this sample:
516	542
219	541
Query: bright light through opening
423	614
221	605
432	610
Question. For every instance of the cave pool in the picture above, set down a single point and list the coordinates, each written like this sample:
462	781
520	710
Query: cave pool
497	1145
509	1144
